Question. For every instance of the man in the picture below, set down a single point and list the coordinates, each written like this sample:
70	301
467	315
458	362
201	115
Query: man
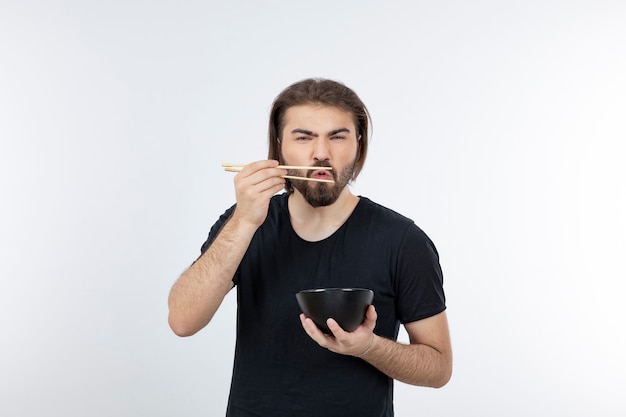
317	235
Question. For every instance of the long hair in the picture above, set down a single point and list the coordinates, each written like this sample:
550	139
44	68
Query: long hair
324	92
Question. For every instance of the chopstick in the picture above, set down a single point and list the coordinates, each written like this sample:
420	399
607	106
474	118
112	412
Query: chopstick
234	168
293	177
229	165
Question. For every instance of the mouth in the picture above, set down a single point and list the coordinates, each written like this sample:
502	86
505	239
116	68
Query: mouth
321	175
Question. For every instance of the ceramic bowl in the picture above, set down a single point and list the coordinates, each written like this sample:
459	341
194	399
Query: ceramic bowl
346	305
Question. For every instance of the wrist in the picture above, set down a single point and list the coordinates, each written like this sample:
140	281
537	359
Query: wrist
241	224
368	348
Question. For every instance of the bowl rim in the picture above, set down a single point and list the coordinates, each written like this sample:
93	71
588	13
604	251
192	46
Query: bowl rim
333	289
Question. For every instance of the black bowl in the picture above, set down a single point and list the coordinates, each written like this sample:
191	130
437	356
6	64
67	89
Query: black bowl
346	305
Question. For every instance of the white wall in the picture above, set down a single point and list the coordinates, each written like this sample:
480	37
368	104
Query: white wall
497	127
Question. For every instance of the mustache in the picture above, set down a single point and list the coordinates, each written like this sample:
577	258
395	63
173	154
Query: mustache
323	164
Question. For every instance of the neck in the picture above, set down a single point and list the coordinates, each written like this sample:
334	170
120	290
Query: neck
317	223
299	207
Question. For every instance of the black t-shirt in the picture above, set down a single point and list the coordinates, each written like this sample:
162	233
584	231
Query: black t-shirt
278	369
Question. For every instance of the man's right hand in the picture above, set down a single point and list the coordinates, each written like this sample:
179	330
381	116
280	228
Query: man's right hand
199	291
255	185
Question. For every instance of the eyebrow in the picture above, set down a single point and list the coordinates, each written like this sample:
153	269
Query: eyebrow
331	133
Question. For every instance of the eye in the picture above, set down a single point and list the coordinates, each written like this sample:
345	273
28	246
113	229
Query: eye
301	138
337	137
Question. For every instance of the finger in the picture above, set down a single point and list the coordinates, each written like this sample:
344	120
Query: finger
370	317
371	313
268	167
251	187
253	178
274	189
311	328
336	329
258	165
263	190
261	177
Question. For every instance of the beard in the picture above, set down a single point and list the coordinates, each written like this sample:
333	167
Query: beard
320	194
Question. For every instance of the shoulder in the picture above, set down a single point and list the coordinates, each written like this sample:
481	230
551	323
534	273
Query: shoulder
388	219
277	207
279	201
377	212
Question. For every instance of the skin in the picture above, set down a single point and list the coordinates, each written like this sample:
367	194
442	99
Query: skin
199	291
312	134
332	139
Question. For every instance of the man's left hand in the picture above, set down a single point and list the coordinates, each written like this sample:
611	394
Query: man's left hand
353	343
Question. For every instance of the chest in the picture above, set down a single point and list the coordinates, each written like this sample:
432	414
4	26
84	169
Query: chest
278	264
282	264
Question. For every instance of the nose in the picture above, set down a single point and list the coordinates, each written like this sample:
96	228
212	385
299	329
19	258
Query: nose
321	150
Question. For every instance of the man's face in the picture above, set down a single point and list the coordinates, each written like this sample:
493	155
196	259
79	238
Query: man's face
319	135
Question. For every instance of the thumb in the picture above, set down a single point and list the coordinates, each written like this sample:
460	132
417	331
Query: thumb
370	317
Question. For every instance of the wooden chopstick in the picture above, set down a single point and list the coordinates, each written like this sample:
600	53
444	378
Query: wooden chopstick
234	168
224	164
293	177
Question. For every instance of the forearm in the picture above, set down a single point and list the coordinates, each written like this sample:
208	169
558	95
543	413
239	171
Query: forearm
415	364
200	290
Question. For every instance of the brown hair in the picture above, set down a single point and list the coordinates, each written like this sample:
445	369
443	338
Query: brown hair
325	92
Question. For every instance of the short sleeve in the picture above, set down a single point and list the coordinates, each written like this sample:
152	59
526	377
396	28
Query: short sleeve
419	278
215	231
217	227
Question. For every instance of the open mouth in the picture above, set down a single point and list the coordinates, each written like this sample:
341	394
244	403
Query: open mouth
321	175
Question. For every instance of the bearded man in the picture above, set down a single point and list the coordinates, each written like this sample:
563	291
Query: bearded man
317	234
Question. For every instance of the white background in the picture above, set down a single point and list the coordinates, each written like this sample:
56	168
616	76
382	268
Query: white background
498	127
